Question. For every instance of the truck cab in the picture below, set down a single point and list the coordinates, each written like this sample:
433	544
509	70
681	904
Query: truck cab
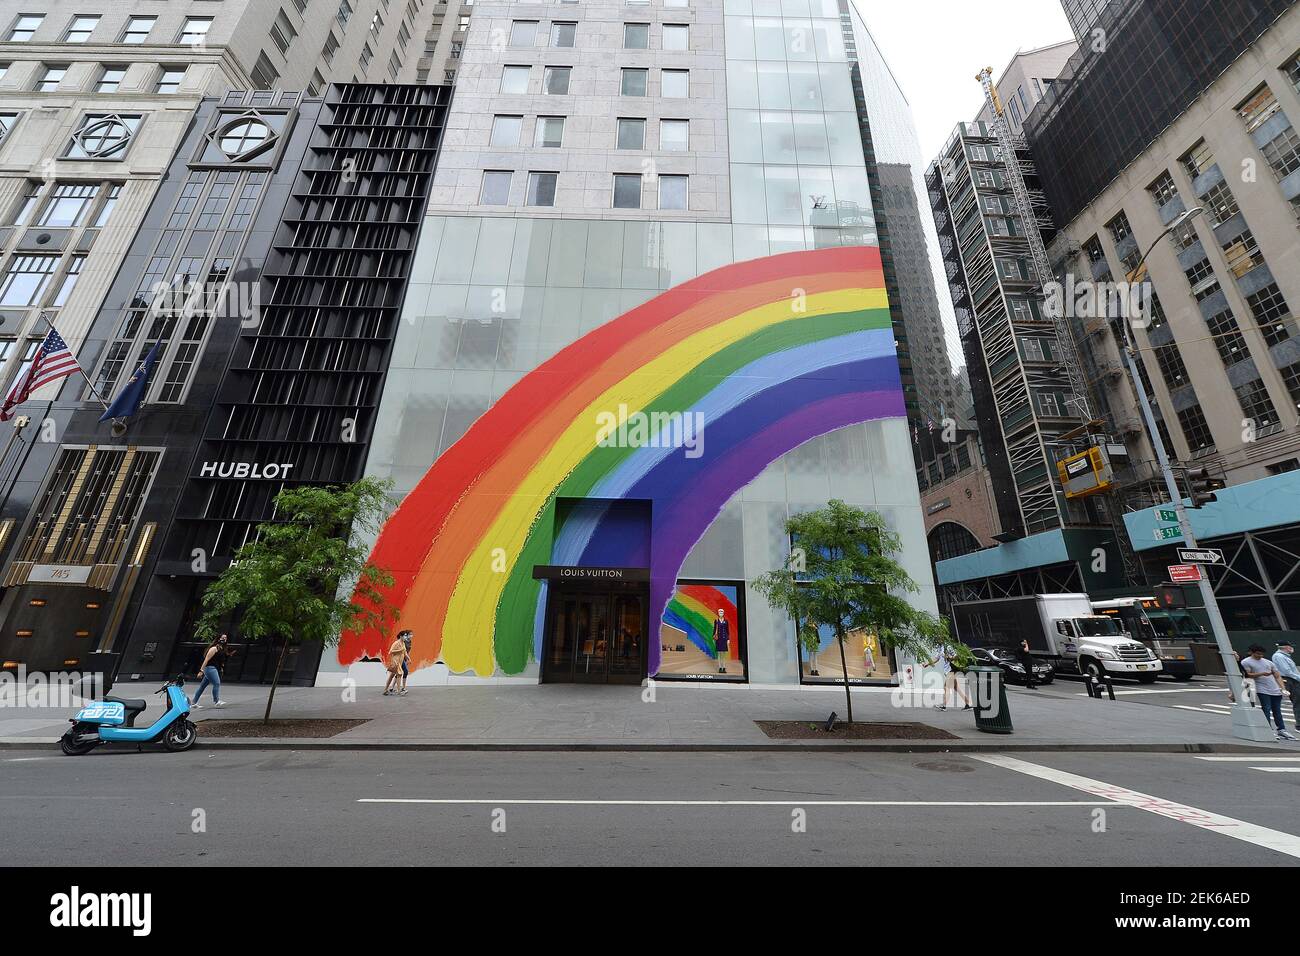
1097	645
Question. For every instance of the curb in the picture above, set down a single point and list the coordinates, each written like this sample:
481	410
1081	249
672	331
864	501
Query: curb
799	746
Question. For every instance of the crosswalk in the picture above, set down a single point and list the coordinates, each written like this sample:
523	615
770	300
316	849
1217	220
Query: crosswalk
1269	764
1207	708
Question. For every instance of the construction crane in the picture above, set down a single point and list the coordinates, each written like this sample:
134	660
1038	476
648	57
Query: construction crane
1037	251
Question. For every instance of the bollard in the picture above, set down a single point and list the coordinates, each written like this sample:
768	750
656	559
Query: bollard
1092	690
1110	687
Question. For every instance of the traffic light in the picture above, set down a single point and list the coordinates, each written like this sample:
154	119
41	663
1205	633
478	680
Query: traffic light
1201	487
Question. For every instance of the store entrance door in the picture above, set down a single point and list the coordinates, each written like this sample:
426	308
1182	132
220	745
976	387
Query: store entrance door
596	637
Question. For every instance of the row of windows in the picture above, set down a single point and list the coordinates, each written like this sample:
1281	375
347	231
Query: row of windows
193	31
167	79
66	205
548	132
635	81
636	36
625	193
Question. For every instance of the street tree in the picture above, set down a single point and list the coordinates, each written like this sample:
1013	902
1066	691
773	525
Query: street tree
842	574
285	583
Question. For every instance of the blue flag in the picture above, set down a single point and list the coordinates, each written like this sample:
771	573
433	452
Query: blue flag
128	400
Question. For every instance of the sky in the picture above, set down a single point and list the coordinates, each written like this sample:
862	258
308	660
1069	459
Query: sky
935	48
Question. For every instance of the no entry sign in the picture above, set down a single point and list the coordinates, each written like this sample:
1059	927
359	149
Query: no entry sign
1184	573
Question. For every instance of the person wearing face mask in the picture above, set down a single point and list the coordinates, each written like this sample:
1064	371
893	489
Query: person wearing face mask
210	671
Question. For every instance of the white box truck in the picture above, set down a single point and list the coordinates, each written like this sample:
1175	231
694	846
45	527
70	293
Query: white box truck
1061	627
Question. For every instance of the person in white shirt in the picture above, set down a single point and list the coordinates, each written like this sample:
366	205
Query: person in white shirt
1285	665
1268	688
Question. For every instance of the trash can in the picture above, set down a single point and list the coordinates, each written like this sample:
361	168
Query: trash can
989	696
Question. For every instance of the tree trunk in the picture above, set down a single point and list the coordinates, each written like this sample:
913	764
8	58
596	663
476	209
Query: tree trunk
270	698
844	669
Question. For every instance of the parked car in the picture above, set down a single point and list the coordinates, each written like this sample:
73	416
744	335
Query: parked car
1012	669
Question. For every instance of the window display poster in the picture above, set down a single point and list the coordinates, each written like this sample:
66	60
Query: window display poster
862	653
701	634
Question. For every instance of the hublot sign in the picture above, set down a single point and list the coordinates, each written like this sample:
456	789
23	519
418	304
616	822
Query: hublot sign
244	469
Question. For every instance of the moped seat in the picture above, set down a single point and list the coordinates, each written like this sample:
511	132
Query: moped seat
130	703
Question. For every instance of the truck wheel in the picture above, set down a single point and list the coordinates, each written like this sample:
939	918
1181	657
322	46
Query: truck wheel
1183	678
1093	669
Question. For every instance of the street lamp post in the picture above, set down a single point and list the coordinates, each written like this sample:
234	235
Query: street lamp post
1248	723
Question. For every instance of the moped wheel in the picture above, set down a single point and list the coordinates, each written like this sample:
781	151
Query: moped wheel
180	736
69	744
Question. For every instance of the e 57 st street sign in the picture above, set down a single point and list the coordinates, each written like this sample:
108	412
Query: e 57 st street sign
1200	556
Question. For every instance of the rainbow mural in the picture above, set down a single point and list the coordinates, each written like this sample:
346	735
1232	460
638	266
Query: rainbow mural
693	609
772	352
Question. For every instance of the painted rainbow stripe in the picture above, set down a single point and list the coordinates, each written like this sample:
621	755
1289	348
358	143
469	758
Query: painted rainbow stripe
694	608
773	352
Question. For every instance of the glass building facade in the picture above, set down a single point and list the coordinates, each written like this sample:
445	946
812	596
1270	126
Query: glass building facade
756	318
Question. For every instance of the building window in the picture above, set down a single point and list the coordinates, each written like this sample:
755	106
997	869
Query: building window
110	78
331	47
563	34
1282	153
69	280
1220	206
26	280
549	133
1271	313
394	66
344	14
242	138
631	134
674	135
67	204
1259	108
138	29
1171	365
1163	191
1228	338
1291	376
264	75
523	33
627	191
80	29
1256	405
1119	228
672	192
403	35
1242	254
1198	272
26	204
514	79
634	82
366	56
170	79
677	36
636	36
282	33
1196	429
496	188
541	189
195	31
111	196
555	80
50	77
675	84
317	85
505	130
1184	237
1198	159
25	26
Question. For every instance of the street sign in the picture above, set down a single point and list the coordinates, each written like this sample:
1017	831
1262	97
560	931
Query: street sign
1184	573
1165	534
1163	515
1200	555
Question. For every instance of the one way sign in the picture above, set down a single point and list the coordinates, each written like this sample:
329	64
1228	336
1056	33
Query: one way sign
1200	556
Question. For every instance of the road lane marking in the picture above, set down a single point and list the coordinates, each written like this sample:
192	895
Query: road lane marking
1278	769
1278	840
1248	759
1203	710
744	803
1169	690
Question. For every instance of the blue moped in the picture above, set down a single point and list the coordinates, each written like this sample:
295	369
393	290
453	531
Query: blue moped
113	719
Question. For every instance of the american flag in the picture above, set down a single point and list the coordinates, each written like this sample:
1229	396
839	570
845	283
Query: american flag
52	361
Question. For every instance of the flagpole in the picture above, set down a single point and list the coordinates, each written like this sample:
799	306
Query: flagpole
44	317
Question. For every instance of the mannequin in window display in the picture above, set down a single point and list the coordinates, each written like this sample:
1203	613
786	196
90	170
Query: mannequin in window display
722	639
868	655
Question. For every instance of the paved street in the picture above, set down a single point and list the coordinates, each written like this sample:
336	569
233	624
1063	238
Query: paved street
375	807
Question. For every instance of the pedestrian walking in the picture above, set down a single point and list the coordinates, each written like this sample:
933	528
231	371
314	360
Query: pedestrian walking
406	661
1268	688
1286	666
210	671
1027	662
951	679
397	656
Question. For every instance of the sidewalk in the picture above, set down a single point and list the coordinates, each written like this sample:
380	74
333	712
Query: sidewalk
681	716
